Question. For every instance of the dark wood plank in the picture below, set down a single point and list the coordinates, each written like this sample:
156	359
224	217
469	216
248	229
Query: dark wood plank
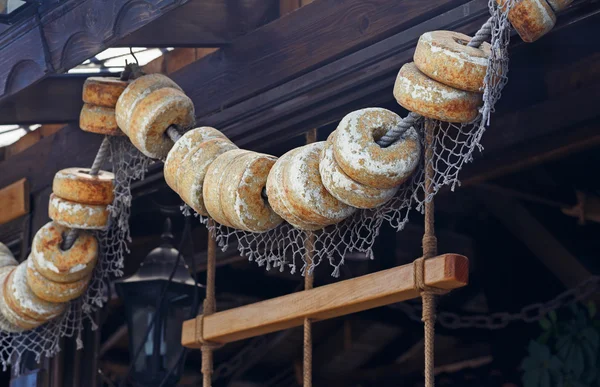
543	118
23	60
55	99
319	93
70	147
362	69
204	23
311	36
67	34
538	239
287	118
528	154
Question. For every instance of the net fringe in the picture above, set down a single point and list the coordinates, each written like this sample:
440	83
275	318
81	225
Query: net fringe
454	146
282	248
128	165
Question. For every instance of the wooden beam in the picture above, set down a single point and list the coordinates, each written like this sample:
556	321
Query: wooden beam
525	227
68	147
14	201
174	60
309	37
31	138
587	208
55	99
447	271
554	146
334	83
204	23
323	94
545	117
59	38
448	350
278	63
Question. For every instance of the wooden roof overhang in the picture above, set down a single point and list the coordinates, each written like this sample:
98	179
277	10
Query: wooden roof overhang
308	69
62	34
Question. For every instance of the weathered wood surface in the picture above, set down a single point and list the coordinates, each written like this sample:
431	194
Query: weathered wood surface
538	239
327	51
69	147
14	201
66	35
448	271
362	75
324	95
311	36
204	23
31	138
55	99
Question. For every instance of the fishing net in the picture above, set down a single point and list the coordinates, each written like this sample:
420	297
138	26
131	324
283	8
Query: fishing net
285	247
128	165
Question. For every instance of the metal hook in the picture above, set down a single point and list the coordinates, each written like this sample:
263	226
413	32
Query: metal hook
133	55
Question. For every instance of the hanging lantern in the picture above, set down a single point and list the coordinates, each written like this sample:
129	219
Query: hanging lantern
158	344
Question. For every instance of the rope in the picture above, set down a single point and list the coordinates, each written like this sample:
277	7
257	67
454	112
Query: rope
311	137
70	238
173	133
484	33
429	250
395	133
308	284
209	308
100	158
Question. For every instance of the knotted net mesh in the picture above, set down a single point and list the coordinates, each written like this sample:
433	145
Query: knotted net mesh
284	247
128	165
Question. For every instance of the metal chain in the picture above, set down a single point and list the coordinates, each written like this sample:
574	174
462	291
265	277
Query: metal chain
529	314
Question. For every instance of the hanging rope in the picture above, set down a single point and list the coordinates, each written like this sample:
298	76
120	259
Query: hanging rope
311	137
395	133
209	308
429	251
308	284
100	158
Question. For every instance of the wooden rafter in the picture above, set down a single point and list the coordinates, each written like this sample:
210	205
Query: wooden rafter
204	23
66	35
323	64
545	247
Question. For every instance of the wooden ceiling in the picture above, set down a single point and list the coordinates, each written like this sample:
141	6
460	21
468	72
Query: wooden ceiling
308	69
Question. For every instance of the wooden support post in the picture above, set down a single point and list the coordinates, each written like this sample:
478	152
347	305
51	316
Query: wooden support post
448	271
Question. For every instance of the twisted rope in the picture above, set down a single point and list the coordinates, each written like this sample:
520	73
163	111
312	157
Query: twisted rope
173	133
308	284
483	34
100	158
311	137
395	133
209	308
429	250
